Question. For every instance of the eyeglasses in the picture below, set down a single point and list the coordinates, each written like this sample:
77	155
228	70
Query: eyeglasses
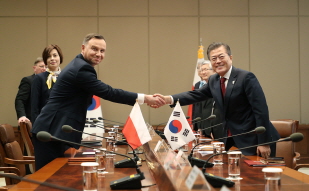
205	69
214	59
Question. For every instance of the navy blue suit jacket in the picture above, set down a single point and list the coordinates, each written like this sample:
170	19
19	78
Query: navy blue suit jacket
39	94
244	107
70	98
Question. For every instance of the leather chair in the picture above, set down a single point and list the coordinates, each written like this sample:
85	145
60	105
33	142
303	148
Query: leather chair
11	152
286	149
25	130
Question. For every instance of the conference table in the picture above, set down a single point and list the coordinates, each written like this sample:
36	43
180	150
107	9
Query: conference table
67	172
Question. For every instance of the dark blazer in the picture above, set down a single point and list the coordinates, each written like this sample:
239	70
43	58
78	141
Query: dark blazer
70	98
39	94
23	98
244	107
208	107
196	109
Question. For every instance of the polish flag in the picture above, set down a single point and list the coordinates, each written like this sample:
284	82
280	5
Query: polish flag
135	129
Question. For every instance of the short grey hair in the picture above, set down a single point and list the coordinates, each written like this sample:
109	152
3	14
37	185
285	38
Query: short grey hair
38	59
206	62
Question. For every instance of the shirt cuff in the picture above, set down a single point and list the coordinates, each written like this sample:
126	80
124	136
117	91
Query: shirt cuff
172	100
140	98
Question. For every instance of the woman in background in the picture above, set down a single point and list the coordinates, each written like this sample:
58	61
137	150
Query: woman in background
42	83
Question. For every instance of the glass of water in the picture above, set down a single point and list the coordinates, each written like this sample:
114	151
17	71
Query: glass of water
272	178
100	157
233	165
90	176
218	148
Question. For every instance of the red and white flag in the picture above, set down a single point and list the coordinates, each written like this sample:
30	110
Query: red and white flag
135	129
196	78
178	131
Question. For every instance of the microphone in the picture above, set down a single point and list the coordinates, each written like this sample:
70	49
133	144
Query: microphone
104	127
212	126
126	163
208	118
123	142
37	182
129	182
217	181
100	118
105	123
201	163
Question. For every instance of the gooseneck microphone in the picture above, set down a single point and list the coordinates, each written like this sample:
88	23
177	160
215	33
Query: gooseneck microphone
199	120
126	163
211	126
129	182
103	127
202	163
217	181
100	118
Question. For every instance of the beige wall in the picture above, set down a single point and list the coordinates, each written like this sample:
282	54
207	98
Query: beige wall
152	46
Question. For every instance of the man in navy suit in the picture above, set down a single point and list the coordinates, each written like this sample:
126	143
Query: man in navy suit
22	100
71	96
243	105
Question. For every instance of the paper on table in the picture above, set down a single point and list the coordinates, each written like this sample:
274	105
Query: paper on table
88	153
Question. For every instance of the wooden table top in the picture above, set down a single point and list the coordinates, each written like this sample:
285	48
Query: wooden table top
62	173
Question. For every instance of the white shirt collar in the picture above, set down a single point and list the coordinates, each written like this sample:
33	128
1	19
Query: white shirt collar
228	74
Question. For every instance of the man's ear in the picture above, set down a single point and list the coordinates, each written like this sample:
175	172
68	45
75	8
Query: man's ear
83	48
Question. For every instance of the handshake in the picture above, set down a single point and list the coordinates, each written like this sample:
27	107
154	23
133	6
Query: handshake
157	100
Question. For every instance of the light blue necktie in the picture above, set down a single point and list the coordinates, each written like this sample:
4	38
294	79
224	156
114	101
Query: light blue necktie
201	84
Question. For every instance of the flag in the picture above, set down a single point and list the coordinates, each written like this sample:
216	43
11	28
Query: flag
94	111
135	129
196	78
178	131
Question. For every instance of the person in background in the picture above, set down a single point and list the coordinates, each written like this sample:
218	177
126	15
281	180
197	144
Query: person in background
196	107
23	97
208	107
43	83
72	95
240	99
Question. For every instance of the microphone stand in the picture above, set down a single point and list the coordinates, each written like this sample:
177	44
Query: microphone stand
129	182
295	137
202	163
126	163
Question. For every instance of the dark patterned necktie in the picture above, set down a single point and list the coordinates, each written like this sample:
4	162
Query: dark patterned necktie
222	83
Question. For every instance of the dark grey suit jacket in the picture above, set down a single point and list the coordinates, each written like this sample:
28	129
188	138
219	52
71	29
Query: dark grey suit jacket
70	98
244	107
22	100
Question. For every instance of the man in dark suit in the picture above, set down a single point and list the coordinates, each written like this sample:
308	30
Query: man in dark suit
196	107
71	96
22	100
240	99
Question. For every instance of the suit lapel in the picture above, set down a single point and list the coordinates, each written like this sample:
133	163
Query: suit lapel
229	87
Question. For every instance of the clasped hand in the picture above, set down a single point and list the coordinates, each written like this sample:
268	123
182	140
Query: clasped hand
157	100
